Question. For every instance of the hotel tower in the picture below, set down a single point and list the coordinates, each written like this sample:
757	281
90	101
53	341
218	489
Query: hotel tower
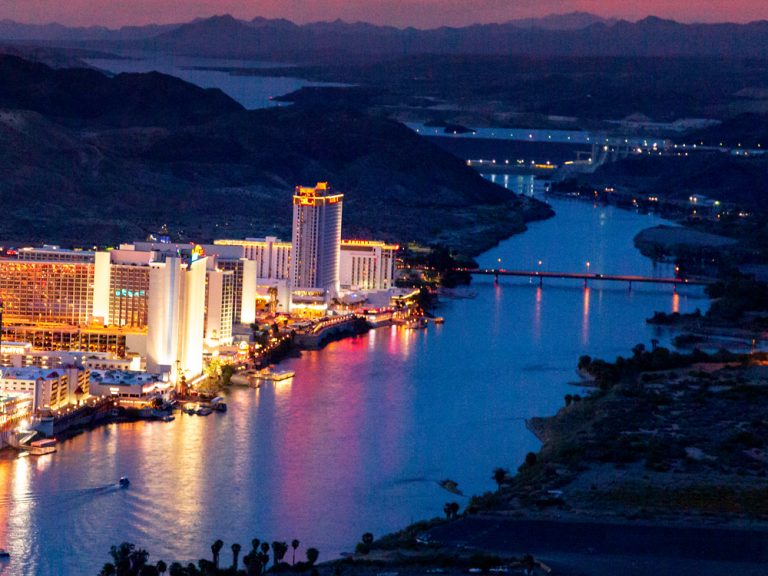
316	240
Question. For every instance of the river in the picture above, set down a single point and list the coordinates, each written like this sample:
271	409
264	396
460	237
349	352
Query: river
360	438
251	91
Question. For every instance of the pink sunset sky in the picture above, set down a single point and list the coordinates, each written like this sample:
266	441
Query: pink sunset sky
420	13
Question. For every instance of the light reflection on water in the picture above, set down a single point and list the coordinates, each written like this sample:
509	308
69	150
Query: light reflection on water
358	440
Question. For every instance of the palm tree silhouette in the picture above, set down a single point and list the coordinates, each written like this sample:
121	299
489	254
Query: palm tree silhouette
294	544
312	555
216	549
279	550
235	555
500	475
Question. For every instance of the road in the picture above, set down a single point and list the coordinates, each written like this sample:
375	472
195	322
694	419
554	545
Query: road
580	548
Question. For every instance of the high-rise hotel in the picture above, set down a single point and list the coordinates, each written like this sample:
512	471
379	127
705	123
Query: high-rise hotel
315	242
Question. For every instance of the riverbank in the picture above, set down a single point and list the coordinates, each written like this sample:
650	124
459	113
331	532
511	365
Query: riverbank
664	468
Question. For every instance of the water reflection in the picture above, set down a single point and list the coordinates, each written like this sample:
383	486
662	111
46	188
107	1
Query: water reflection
585	317
358	440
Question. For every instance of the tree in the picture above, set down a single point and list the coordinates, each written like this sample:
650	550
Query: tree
568	400
161	566
235	555
264	556
216	550
279	550
530	459
294	544
499	476
107	570
367	538
451	510
313	554
127	559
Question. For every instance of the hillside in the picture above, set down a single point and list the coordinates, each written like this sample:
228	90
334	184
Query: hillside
118	169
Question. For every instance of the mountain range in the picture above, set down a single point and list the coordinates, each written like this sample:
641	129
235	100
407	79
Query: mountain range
576	34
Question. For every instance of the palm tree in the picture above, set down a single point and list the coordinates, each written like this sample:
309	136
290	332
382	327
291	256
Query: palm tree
235	555
294	544
451	510
313	554
108	570
279	550
367	538
216	549
162	567
500	475
79	394
264	556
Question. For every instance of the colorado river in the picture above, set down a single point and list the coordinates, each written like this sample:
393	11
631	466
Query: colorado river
360	438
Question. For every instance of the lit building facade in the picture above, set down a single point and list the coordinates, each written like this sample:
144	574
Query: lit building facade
49	389
13	409
176	317
220	297
39	291
367	265
271	255
316	239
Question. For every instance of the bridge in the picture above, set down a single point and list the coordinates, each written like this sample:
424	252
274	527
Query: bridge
585	276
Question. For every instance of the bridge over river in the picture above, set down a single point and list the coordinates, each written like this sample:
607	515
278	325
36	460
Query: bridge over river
586	277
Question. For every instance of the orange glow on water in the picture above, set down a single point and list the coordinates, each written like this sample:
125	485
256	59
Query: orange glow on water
585	317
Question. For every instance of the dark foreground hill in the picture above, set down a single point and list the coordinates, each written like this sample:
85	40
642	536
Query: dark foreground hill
119	169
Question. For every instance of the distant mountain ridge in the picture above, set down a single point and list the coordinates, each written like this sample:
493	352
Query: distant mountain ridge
575	34
568	21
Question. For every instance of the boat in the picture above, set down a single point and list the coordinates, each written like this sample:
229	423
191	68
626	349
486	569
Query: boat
168	418
275	375
41	447
416	323
218	404
438	320
451	485
204	411
279	375
124	482
4	554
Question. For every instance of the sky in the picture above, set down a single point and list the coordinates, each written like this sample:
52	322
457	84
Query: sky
419	13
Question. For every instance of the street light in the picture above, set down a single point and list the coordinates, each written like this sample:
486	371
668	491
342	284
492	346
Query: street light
588	265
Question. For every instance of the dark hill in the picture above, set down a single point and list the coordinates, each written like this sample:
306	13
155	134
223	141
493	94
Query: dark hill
223	174
87	96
